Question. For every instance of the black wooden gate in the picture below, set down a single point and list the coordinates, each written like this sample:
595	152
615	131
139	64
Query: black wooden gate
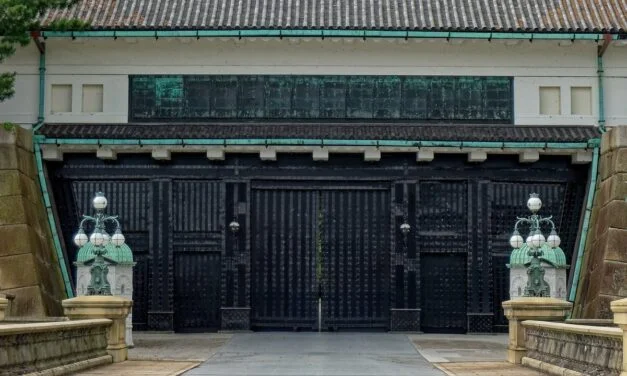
284	286
196	247
355	243
323	243
310	230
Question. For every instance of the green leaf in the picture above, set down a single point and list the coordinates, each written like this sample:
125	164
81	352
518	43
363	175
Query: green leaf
17	19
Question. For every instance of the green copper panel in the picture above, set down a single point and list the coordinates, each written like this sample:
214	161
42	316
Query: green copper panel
421	98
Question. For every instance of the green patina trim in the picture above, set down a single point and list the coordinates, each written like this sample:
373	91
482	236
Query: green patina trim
121	255
322	33
586	224
51	222
553	256
316	142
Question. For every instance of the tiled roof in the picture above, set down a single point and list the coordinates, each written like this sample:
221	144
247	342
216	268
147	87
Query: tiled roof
378	131
443	15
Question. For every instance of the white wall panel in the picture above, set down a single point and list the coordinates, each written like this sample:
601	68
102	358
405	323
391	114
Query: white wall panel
108	62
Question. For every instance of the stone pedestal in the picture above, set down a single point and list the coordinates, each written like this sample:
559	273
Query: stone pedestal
4	303
521	309
113	308
619	308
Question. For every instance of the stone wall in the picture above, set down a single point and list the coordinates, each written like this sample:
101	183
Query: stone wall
604	271
589	350
59	347
29	268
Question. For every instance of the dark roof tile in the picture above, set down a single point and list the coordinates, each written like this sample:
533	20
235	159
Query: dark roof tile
443	15
336	131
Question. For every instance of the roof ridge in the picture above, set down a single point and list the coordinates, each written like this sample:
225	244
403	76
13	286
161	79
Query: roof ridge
581	16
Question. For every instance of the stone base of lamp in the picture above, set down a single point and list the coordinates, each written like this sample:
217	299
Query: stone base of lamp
619	308
521	309
109	307
4	303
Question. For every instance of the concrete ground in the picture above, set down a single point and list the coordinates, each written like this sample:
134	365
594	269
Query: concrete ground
445	348
174	346
257	354
141	368
329	354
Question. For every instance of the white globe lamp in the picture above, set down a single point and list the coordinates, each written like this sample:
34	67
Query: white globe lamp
80	239
100	201
97	238
118	239
534	203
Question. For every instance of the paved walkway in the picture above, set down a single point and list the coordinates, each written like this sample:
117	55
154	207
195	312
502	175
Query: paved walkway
333	354
168	346
329	354
140	368
487	369
444	348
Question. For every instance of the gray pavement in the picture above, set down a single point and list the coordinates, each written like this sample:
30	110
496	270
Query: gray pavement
329	354
174	346
445	348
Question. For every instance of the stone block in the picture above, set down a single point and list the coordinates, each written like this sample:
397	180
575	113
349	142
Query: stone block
581	157
612	188
18	271
17	239
4	305
8	137
320	154
613	162
108	154
22	138
113	308
30	190
372	155
520	309
15	183
529	156
12	211
51	153
425	155
614	244
10	183
215	154
267	154
27	302
612	215
477	156
614	279
614	138
161	154
8	157
619	309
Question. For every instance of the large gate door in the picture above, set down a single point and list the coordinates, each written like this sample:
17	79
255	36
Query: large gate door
443	293
355	229
442	229
283	245
196	291
196	247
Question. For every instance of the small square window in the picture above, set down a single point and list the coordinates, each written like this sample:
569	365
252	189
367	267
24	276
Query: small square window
92	98
61	99
581	100
550	101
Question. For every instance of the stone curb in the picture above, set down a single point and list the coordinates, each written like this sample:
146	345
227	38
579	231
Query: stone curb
74	367
549	368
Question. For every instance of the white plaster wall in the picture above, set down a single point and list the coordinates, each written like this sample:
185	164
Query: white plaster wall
108	62
22	108
615	62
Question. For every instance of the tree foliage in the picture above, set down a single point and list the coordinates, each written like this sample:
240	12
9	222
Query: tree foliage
17	19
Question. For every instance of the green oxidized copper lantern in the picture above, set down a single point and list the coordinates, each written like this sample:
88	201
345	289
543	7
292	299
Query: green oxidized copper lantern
100	239
535	241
